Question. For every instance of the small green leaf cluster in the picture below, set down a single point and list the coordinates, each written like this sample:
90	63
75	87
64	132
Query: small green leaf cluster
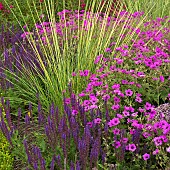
6	160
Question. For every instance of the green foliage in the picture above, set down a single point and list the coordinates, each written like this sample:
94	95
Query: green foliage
159	8
6	159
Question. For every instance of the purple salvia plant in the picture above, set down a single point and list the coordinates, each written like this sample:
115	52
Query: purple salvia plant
5	129
27	152
52	165
95	151
58	160
72	167
8	116
78	165
82	152
136	136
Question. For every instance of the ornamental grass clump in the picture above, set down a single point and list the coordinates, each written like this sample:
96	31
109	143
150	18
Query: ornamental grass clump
44	59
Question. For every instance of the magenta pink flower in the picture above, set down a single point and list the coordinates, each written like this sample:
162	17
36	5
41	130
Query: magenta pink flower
67	100
119	116
146	156
146	134
168	149
108	50
116	99
117	144
126	113
116	131
97	121
132	147
124	140
148	106
157	141
1	6
114	122
116	86
115	107
155	152
161	78
74	112
129	92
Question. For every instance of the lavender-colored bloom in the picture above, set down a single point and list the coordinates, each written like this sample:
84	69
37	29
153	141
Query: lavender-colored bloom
5	131
35	166
27	152
78	166
52	163
58	159
72	167
136	136
27	119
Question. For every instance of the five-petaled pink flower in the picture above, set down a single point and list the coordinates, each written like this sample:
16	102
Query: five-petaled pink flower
132	147
146	156
114	122
129	92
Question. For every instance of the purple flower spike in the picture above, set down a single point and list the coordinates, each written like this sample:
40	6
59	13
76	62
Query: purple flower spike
52	163
27	119
78	166
72	167
58	158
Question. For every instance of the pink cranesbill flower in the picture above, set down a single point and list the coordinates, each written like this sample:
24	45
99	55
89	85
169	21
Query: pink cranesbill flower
132	147
146	134
134	114
124	140
115	107
98	58
117	144
119	116
148	106
146	156
155	152
124	82
1	6
90	124
74	112
86	102
108	50
86	72
138	99
114	122
116	99
116	131
93	106
67	100
106	97
82	94
97	121
129	92
126	113
168	149
157	141
116	86
161	78
73	74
